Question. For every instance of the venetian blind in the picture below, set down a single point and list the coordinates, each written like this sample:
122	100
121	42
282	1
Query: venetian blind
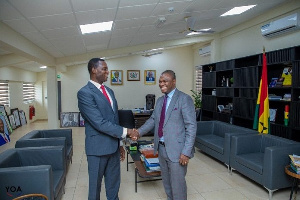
28	92
4	93
198	78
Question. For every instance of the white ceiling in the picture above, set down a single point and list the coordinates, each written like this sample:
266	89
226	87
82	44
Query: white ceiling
53	25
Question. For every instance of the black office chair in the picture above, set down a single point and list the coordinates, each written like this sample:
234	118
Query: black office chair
126	118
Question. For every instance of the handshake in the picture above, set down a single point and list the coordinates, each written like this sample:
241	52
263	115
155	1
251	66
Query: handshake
133	134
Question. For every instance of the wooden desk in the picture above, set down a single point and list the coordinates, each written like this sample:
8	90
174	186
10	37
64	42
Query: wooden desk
140	119
140	169
295	183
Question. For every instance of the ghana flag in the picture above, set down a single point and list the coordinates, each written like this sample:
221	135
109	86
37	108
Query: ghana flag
262	114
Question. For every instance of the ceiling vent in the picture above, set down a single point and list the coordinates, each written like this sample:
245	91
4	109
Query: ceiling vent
280	26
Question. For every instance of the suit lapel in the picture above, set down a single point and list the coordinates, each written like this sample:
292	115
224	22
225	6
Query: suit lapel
171	106
99	93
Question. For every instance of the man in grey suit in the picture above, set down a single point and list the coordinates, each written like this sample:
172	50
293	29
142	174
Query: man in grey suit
99	108
175	126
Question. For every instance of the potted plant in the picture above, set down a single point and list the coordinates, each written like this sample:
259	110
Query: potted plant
197	98
198	103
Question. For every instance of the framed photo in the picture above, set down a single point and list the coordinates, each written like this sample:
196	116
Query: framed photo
116	77
2	110
12	121
220	108
81	120
4	134
15	113
22	117
133	75
69	119
150	77
272	114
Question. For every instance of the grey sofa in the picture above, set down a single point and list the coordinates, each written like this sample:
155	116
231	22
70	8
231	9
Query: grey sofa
213	138
33	170
262	158
51	137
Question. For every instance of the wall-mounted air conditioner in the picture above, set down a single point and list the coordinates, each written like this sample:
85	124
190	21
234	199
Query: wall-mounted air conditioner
204	51
283	25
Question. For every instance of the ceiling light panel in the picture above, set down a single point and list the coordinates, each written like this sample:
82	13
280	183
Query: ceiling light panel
96	27
238	10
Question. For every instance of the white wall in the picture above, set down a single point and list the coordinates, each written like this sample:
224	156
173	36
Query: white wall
132	93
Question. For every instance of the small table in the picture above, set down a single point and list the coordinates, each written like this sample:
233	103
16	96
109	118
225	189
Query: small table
296	178
140	168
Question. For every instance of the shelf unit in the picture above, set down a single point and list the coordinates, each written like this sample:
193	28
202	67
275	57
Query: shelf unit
242	93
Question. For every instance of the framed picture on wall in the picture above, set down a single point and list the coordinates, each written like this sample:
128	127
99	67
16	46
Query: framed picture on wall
69	119
15	113
81	120
22	117
133	75
12	121
4	133
150	77
116	77
2	110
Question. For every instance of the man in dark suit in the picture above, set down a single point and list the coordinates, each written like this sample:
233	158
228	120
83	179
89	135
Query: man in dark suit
99	108
174	122
150	76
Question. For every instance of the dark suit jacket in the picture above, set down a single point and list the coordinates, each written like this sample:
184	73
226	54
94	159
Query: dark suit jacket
101	121
179	126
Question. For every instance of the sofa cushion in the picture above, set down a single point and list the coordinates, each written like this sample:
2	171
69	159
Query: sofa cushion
252	161
212	141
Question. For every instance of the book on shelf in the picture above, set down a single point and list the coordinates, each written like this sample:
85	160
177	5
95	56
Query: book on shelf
273	82
274	97
149	153
272	114
151	169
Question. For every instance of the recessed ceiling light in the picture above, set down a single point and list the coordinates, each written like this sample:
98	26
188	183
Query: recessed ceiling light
96	27
237	10
43	67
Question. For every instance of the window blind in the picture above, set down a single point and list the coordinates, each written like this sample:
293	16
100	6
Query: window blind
4	93
28	92
198	78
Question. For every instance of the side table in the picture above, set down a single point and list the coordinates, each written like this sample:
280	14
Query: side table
295	177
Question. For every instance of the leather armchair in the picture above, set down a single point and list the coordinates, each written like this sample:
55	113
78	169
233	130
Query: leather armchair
213	138
262	158
51	137
31	170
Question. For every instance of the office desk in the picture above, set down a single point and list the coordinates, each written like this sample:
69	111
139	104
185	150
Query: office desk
140	119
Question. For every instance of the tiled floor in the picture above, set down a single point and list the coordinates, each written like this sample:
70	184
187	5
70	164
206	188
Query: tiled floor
207	179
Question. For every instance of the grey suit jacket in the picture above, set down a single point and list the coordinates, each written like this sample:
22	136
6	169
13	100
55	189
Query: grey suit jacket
102	128
179	126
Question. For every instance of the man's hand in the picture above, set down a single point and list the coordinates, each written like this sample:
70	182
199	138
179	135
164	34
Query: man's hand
133	134
184	160
122	153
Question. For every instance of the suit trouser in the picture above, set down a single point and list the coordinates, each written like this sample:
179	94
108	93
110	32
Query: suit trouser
109	167
173	176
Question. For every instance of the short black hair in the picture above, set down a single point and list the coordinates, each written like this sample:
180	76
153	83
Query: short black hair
93	63
170	72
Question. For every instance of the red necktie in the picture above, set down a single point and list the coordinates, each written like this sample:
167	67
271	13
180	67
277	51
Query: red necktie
105	94
162	117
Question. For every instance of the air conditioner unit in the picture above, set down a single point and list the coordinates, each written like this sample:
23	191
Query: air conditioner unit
205	51
283	25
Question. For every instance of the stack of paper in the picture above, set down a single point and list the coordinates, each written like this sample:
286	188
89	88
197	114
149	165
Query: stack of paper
295	163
